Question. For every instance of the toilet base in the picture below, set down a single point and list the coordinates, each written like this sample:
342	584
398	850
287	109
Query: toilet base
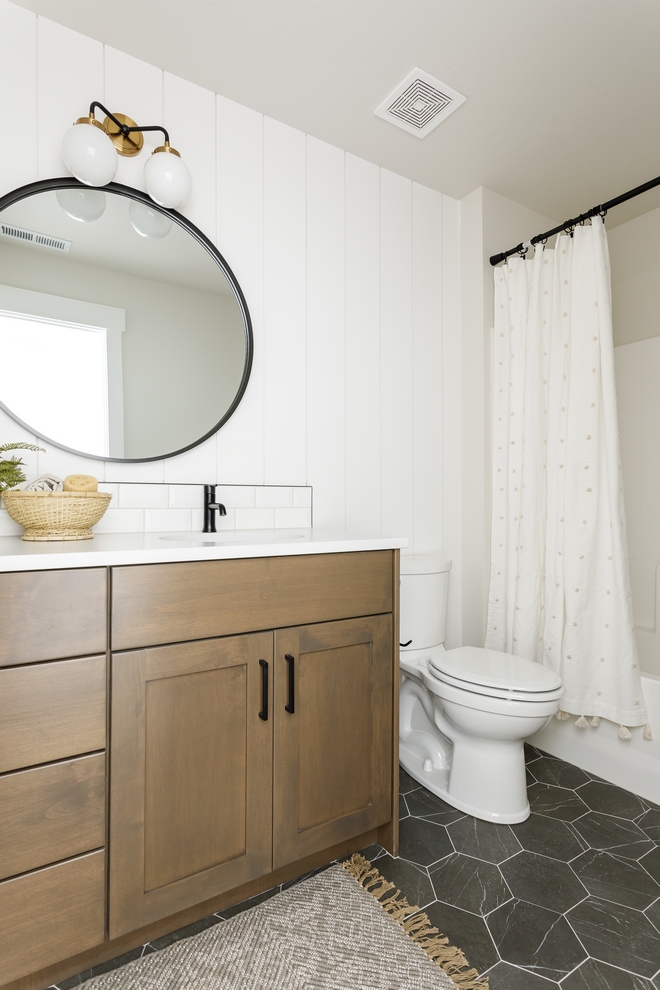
437	781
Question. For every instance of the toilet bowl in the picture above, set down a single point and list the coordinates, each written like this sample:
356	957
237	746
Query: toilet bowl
465	713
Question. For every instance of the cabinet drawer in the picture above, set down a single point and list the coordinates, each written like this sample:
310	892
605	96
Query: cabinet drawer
169	603
51	813
50	711
51	614
51	915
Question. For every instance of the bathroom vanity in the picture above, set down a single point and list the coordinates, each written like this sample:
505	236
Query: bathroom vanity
183	726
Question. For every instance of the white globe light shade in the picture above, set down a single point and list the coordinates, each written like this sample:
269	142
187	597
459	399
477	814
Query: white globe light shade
167	179
89	154
148	222
85	205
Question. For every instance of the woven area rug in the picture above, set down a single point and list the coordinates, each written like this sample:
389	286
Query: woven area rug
343	929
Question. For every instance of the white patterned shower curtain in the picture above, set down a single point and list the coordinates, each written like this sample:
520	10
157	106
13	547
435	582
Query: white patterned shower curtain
560	586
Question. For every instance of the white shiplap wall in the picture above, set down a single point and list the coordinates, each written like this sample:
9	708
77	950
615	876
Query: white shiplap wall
350	273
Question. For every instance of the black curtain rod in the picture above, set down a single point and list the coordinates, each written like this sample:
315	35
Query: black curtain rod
571	224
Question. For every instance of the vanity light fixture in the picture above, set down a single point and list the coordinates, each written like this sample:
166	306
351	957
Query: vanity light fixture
90	150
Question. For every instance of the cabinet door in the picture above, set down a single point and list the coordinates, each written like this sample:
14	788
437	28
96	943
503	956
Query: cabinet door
333	752
191	775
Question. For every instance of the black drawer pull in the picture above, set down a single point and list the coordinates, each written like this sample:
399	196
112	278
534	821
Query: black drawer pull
263	714
290	708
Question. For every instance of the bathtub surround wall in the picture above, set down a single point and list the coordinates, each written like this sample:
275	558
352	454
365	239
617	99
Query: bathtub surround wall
351	274
638	389
635	259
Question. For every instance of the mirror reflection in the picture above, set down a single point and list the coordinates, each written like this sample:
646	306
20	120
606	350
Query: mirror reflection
124	336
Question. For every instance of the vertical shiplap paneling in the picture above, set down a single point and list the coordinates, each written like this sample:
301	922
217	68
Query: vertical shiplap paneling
189	115
451	412
362	346
396	355
70	76
18	88
427	369
135	88
326	358
284	305
240	238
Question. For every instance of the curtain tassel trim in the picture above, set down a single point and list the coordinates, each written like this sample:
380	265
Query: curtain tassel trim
648	734
562	716
595	722
624	733
418	927
582	722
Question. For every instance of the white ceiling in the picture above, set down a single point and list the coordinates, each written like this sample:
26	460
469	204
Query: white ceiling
563	96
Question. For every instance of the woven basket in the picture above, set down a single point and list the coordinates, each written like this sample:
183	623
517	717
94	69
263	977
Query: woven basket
56	515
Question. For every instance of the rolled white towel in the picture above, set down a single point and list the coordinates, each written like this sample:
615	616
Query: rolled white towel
44	483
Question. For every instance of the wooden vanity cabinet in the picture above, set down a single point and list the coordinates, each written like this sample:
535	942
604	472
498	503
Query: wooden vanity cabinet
211	787
253	725
332	767
191	807
52	767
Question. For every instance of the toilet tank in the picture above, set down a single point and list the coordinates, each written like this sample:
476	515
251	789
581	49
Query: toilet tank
424	587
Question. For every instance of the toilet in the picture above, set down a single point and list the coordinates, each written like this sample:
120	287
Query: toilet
465	713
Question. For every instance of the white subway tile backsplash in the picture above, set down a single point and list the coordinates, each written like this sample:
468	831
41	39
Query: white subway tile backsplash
143	496
153	508
255	518
239	496
7	525
186	496
111	489
302	498
290	518
167	520
273	498
121	521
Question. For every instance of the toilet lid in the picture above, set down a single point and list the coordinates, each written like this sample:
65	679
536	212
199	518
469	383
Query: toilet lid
492	669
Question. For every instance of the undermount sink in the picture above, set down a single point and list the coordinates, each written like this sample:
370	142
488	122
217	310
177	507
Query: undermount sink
234	539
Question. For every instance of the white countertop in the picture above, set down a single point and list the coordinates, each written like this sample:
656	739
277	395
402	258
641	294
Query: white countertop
114	549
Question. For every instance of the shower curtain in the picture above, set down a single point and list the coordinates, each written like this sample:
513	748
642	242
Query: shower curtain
560	586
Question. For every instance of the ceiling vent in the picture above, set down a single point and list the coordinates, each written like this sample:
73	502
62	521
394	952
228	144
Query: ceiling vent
34	237
419	103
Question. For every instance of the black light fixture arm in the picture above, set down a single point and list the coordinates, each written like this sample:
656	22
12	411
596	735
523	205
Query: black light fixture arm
124	128
571	224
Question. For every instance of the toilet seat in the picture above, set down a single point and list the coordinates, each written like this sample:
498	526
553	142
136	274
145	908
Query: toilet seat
495	674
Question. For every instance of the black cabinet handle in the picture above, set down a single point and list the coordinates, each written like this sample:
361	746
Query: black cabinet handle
406	644
290	708
263	714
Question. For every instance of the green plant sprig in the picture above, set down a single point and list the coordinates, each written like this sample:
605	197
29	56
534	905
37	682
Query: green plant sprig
10	468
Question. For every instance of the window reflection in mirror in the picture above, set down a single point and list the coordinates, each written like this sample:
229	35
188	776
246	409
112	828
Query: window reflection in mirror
124	335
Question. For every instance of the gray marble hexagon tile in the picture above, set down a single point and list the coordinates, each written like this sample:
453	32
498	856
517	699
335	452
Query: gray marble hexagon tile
568	899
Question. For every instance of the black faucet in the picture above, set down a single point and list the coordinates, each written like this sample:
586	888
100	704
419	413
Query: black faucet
210	505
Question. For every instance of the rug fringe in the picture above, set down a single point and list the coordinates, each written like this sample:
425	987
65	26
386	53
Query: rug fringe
418	927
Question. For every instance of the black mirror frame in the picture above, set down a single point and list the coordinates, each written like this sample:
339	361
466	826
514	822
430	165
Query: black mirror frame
68	182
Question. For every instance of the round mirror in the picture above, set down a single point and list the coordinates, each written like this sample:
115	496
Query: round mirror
123	332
